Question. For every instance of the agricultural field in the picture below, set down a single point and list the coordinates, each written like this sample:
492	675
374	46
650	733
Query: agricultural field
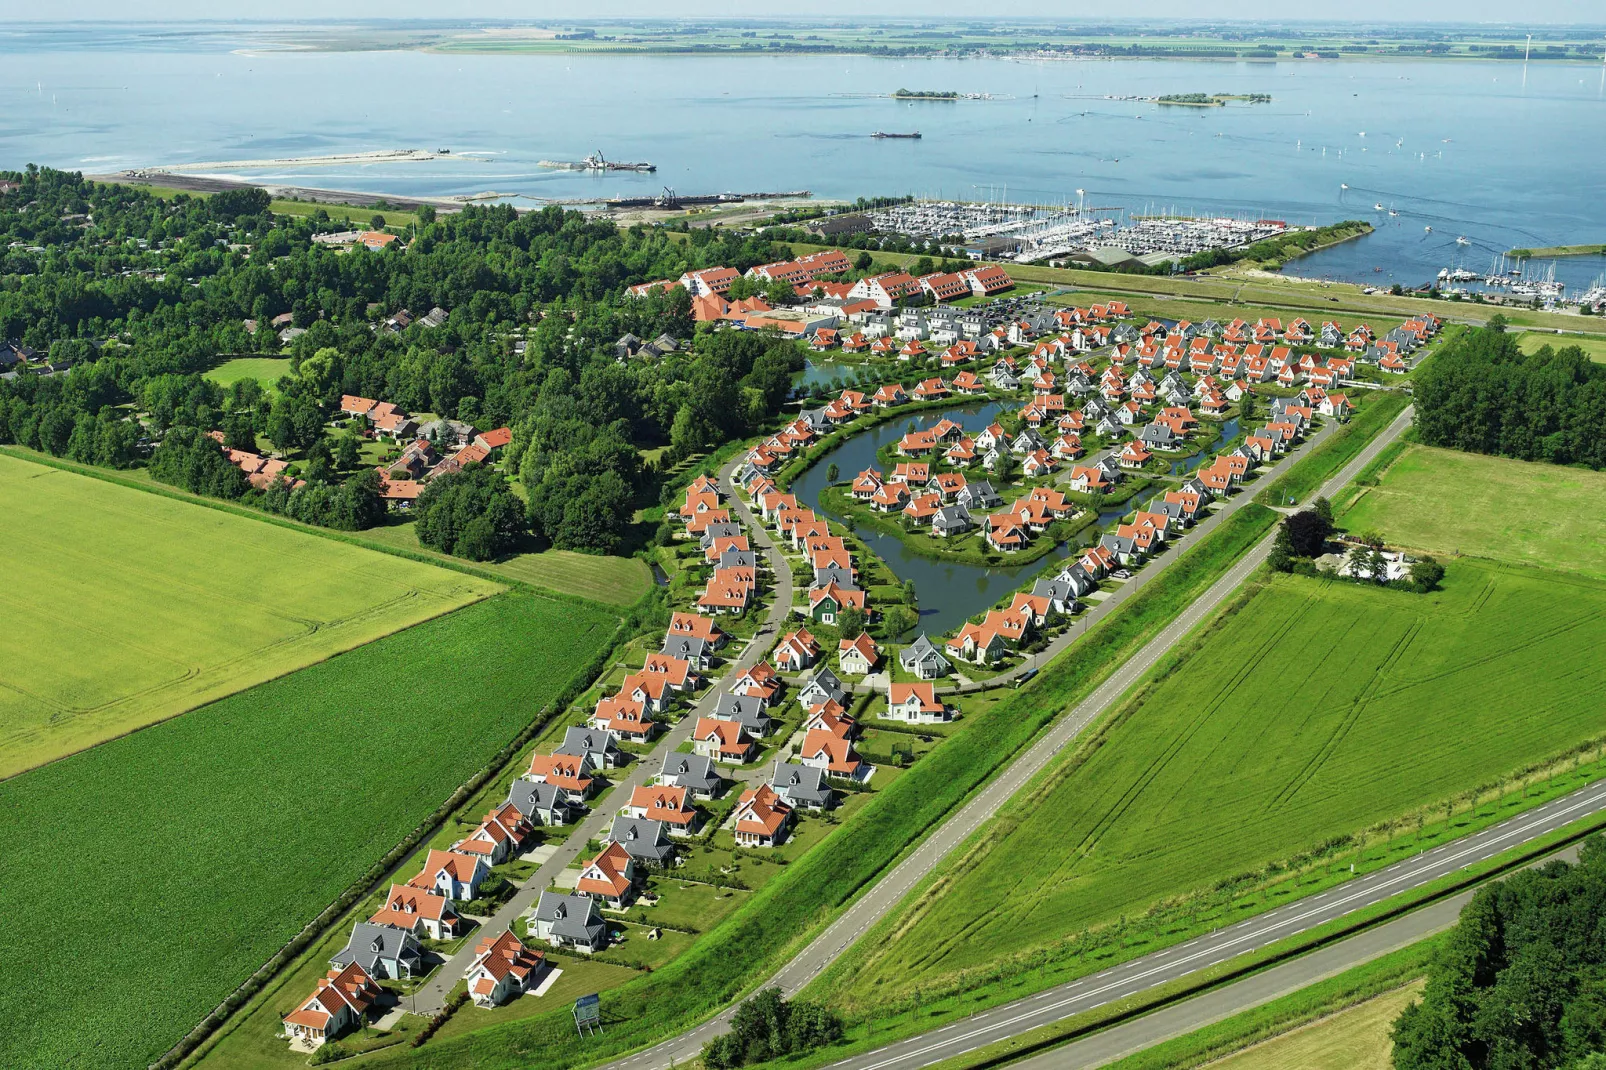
1355	1038
265	370
1520	512
617	581
141	606
157	871
1313	710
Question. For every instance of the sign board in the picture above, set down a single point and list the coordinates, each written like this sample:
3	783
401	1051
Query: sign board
588	1014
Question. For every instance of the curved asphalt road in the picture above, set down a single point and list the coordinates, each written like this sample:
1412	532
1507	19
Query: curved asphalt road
1015	1018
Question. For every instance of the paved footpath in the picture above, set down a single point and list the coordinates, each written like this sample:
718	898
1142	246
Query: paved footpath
883	896
594	826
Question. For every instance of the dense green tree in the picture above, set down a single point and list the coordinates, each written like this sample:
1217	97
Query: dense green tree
1521	979
1306	533
452	503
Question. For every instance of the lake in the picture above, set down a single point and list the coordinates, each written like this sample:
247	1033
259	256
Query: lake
1464	147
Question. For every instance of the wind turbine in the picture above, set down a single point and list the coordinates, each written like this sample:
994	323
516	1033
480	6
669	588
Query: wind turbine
1526	50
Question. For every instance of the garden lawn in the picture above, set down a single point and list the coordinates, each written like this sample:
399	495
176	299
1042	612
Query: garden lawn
151	875
1525	512
265	370
618	581
1313	711
137	606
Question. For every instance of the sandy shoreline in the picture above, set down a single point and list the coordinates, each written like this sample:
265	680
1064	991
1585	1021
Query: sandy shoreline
335	160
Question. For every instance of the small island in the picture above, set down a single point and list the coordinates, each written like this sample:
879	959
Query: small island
925	94
1558	250
1211	100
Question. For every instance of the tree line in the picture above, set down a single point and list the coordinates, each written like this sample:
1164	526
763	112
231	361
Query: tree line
1483	394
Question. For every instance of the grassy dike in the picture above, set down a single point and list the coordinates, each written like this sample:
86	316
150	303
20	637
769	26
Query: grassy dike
779	919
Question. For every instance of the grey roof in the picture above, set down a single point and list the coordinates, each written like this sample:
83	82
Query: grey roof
530	797
457	428
691	771
979	494
1078	577
371	944
1056	589
922	649
1158	435
815	419
687	647
641	838
826	682
738	559
951	518
572	917
718	531
802	785
747	709
581	741
1119	544
842	577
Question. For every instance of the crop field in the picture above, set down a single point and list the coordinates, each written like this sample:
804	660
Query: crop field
139	607
1314	710
1521	512
265	370
151	875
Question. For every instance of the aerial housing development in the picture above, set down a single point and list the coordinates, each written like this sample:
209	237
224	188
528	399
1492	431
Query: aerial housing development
593	624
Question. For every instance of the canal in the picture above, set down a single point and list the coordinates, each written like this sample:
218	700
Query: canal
949	592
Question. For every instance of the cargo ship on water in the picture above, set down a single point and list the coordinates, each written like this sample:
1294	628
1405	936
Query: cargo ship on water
597	162
912	136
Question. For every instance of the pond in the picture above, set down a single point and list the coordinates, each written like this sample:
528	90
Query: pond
824	371
1229	431
949	591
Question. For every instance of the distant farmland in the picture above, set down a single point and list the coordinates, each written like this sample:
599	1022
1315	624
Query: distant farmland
1316	710
138	606
150	875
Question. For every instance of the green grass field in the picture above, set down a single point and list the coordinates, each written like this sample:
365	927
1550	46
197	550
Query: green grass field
1520	512
139	607
1315	710
152	874
618	581
1593	345
265	370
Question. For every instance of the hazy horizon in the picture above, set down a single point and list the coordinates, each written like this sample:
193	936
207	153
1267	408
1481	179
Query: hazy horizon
1459	12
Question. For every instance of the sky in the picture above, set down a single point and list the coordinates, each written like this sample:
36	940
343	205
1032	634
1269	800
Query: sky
1502	11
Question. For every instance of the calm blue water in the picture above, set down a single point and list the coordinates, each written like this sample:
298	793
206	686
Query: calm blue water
1465	148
